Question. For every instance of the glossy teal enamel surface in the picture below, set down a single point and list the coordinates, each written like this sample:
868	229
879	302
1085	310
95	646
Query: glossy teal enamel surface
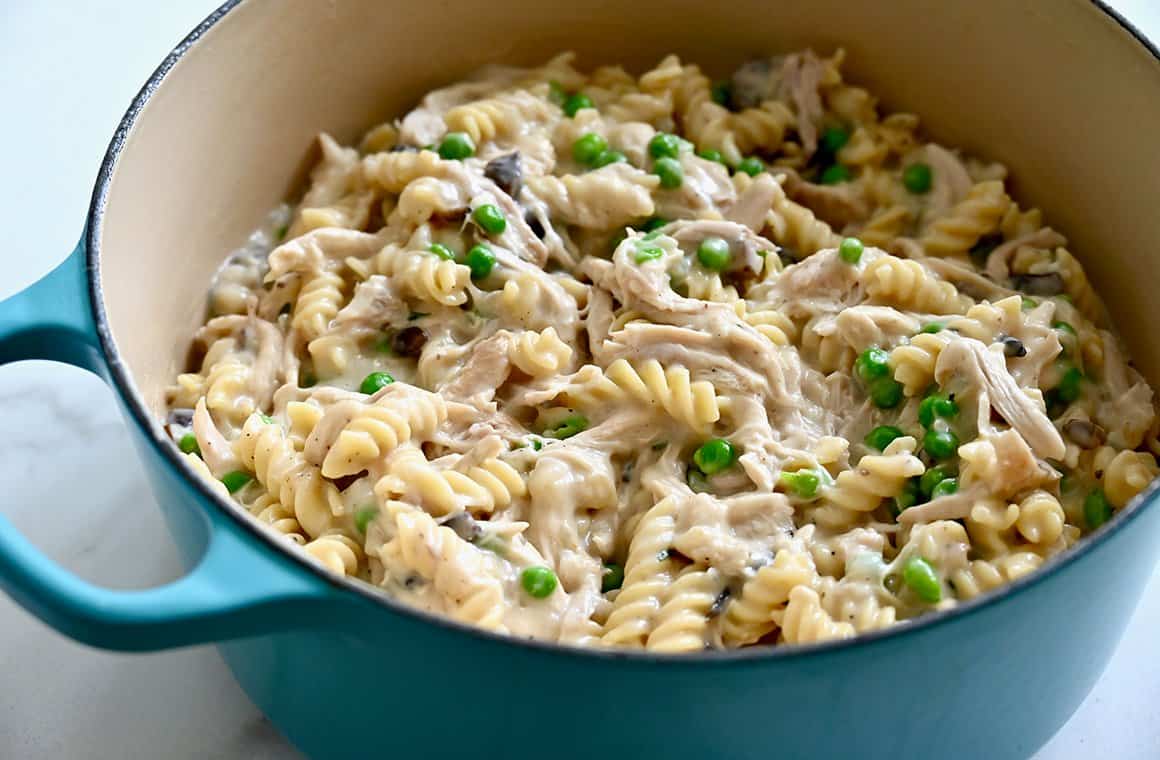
52	318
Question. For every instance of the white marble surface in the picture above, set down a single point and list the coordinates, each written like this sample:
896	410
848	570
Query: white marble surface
74	485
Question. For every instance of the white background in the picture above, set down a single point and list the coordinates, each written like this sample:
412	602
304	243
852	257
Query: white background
71	481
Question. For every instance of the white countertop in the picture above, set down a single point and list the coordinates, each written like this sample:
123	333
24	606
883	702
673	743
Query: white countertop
67	72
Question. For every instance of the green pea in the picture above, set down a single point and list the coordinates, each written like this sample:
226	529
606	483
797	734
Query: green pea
940	444
490	219
266	418
834	139
933	477
835	175
932	327
537	444
1028	304
386	344
556	93
714	253
921	578
612	578
577	101
803	483
905	499
442	251
188	444
1064	327
751	165
538	581
663	144
568	427
886	393
1070	386
721	92
944	488
714	456
456	146
587	147
850	250
307	379
712	155
493	543
363	517
236	480
375	381
917	178
697	481
882	436
1096	509
937	405
607	157
669	171
872	364
648	253
480	260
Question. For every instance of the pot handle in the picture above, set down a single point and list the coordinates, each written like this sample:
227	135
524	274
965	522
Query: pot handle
231	593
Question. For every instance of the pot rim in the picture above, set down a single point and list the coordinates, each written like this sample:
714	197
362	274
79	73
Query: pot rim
141	416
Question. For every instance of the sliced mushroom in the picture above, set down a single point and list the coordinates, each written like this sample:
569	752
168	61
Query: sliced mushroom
409	342
1049	284
1013	347
464	526
507	173
1086	434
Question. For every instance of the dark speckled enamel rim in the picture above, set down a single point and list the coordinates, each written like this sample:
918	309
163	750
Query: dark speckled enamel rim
154	431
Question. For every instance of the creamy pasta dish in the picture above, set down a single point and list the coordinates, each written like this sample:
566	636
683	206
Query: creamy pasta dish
663	362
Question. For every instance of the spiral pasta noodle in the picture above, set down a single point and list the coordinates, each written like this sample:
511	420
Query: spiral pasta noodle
804	621
862	489
265	450
501	116
605	198
540	354
975	216
453	566
670	389
902	282
445	491
424	276
648	574
683	618
373	430
751	616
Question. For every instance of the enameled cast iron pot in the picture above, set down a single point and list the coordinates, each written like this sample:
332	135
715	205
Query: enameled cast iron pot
1065	93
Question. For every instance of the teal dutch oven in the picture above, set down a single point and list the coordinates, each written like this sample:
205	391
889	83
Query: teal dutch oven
1065	93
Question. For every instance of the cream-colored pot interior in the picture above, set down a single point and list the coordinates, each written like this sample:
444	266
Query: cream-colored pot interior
1058	91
